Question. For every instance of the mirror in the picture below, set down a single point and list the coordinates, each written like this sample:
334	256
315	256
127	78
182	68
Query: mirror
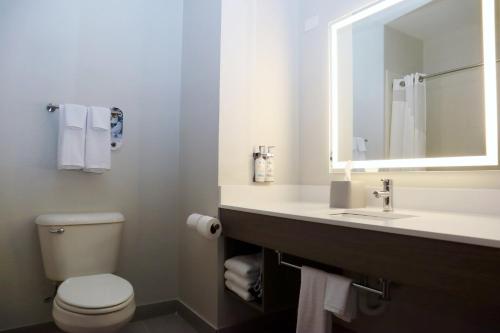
413	85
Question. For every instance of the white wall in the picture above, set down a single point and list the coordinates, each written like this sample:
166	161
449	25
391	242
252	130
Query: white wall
201	261
199	274
259	88
314	117
403	54
455	103
123	53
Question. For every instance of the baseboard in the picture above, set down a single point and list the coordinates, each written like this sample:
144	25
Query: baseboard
156	309
200	324
37	328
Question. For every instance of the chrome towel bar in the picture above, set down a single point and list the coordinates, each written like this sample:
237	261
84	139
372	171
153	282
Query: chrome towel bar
384	292
114	110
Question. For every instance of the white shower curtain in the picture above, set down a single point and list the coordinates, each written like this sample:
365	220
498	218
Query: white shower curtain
408	118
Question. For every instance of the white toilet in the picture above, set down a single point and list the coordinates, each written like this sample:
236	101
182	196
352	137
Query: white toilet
81	250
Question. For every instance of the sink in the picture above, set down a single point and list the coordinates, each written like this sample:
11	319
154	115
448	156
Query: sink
378	216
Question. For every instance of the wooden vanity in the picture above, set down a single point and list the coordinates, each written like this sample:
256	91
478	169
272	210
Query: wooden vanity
458	282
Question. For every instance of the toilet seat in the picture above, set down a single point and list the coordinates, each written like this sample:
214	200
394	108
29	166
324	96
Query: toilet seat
72	322
94	294
85	311
101	303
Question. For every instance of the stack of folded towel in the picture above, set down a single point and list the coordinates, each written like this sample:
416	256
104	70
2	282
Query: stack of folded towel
243	276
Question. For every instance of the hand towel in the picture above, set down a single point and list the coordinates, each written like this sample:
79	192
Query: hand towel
361	144
245	265
340	297
98	141
244	294
358	149
71	139
243	282
312	317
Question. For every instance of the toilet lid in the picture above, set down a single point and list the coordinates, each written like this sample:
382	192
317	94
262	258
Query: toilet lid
95	291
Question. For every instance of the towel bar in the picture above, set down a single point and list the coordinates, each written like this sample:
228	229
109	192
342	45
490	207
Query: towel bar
114	110
384	292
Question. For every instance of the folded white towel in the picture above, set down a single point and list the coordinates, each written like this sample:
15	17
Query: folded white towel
244	294
243	282
254	276
245	266
98	141
74	115
71	140
340	297
311	316
100	118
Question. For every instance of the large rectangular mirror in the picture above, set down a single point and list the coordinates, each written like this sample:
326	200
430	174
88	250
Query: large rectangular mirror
413	85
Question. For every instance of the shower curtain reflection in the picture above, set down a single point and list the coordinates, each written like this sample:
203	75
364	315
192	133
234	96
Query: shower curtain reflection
408	118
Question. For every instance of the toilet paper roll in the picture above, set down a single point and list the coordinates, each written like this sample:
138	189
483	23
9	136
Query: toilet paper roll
209	227
192	220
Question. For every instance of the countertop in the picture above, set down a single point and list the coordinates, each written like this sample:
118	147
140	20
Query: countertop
476	229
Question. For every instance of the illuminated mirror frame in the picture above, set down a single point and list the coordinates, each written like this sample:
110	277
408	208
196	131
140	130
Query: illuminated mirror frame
490	98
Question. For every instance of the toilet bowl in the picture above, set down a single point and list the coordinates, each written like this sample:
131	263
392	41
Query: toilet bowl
93	304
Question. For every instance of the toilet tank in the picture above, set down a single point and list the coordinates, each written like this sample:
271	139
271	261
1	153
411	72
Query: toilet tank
79	244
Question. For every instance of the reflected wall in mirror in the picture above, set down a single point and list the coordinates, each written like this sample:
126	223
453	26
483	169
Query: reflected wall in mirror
414	85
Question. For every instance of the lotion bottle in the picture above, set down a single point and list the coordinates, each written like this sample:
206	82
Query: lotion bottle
260	165
270	164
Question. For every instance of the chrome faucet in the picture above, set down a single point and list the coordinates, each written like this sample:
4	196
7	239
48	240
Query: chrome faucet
386	194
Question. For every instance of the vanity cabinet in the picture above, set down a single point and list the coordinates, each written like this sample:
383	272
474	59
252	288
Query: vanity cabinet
465	276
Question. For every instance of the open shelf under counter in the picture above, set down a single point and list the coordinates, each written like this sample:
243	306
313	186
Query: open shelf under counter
280	284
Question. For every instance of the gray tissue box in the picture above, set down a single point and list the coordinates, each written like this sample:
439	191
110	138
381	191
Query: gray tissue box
347	194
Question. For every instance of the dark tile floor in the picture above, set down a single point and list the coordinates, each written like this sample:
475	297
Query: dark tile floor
171	323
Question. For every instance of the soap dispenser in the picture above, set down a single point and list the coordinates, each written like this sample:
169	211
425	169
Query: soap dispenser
270	164
260	165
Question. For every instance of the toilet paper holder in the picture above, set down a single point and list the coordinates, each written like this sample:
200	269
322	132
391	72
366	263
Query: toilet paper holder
214	228
207	226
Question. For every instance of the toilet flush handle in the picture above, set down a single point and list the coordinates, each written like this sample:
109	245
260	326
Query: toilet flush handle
56	230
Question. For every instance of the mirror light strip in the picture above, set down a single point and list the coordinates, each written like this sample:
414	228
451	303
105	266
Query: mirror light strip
490	80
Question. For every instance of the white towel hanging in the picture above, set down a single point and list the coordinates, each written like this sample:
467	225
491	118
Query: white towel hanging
98	140
71	137
340	297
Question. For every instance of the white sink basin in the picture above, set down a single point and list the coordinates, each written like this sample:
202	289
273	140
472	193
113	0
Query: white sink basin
368	215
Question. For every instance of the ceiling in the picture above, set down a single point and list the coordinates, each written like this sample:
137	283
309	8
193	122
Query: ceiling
438	16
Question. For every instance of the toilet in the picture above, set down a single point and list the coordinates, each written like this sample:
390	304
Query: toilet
81	251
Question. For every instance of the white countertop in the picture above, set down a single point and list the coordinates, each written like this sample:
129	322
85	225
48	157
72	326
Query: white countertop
476	229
